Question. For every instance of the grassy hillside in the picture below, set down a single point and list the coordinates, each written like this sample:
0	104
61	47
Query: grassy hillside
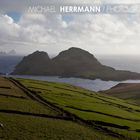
99	111
28	127
127	91
24	115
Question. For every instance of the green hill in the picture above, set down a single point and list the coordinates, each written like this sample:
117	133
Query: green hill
24	116
53	111
127	91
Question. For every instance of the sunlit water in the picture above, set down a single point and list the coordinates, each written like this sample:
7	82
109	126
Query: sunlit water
95	85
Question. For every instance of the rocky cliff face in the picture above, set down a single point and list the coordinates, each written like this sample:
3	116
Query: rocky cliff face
73	62
34	64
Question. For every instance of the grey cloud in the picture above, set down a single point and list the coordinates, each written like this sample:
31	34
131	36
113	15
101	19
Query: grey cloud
104	33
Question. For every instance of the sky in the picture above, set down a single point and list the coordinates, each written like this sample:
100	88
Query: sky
103	33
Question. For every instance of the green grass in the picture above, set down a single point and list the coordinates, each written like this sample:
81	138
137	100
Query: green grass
25	128
89	105
16	99
8	88
18	126
126	91
24	105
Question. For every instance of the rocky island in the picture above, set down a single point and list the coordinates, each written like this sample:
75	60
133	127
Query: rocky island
73	62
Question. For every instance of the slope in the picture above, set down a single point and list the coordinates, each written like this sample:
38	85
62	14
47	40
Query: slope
114	116
23	115
127	91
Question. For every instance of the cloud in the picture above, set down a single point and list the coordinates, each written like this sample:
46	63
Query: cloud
103	33
22	6
9	30
121	1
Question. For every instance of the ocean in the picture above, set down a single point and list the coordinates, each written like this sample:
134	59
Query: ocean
121	62
131	63
8	63
94	85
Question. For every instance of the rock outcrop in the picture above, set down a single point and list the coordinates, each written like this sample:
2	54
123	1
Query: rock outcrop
73	62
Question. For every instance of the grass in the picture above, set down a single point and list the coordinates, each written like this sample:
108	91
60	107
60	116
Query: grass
24	105
21	115
9	101
9	89
90	106
25	128
127	91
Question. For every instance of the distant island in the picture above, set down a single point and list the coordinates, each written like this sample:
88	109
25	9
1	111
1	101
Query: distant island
11	52
73	62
